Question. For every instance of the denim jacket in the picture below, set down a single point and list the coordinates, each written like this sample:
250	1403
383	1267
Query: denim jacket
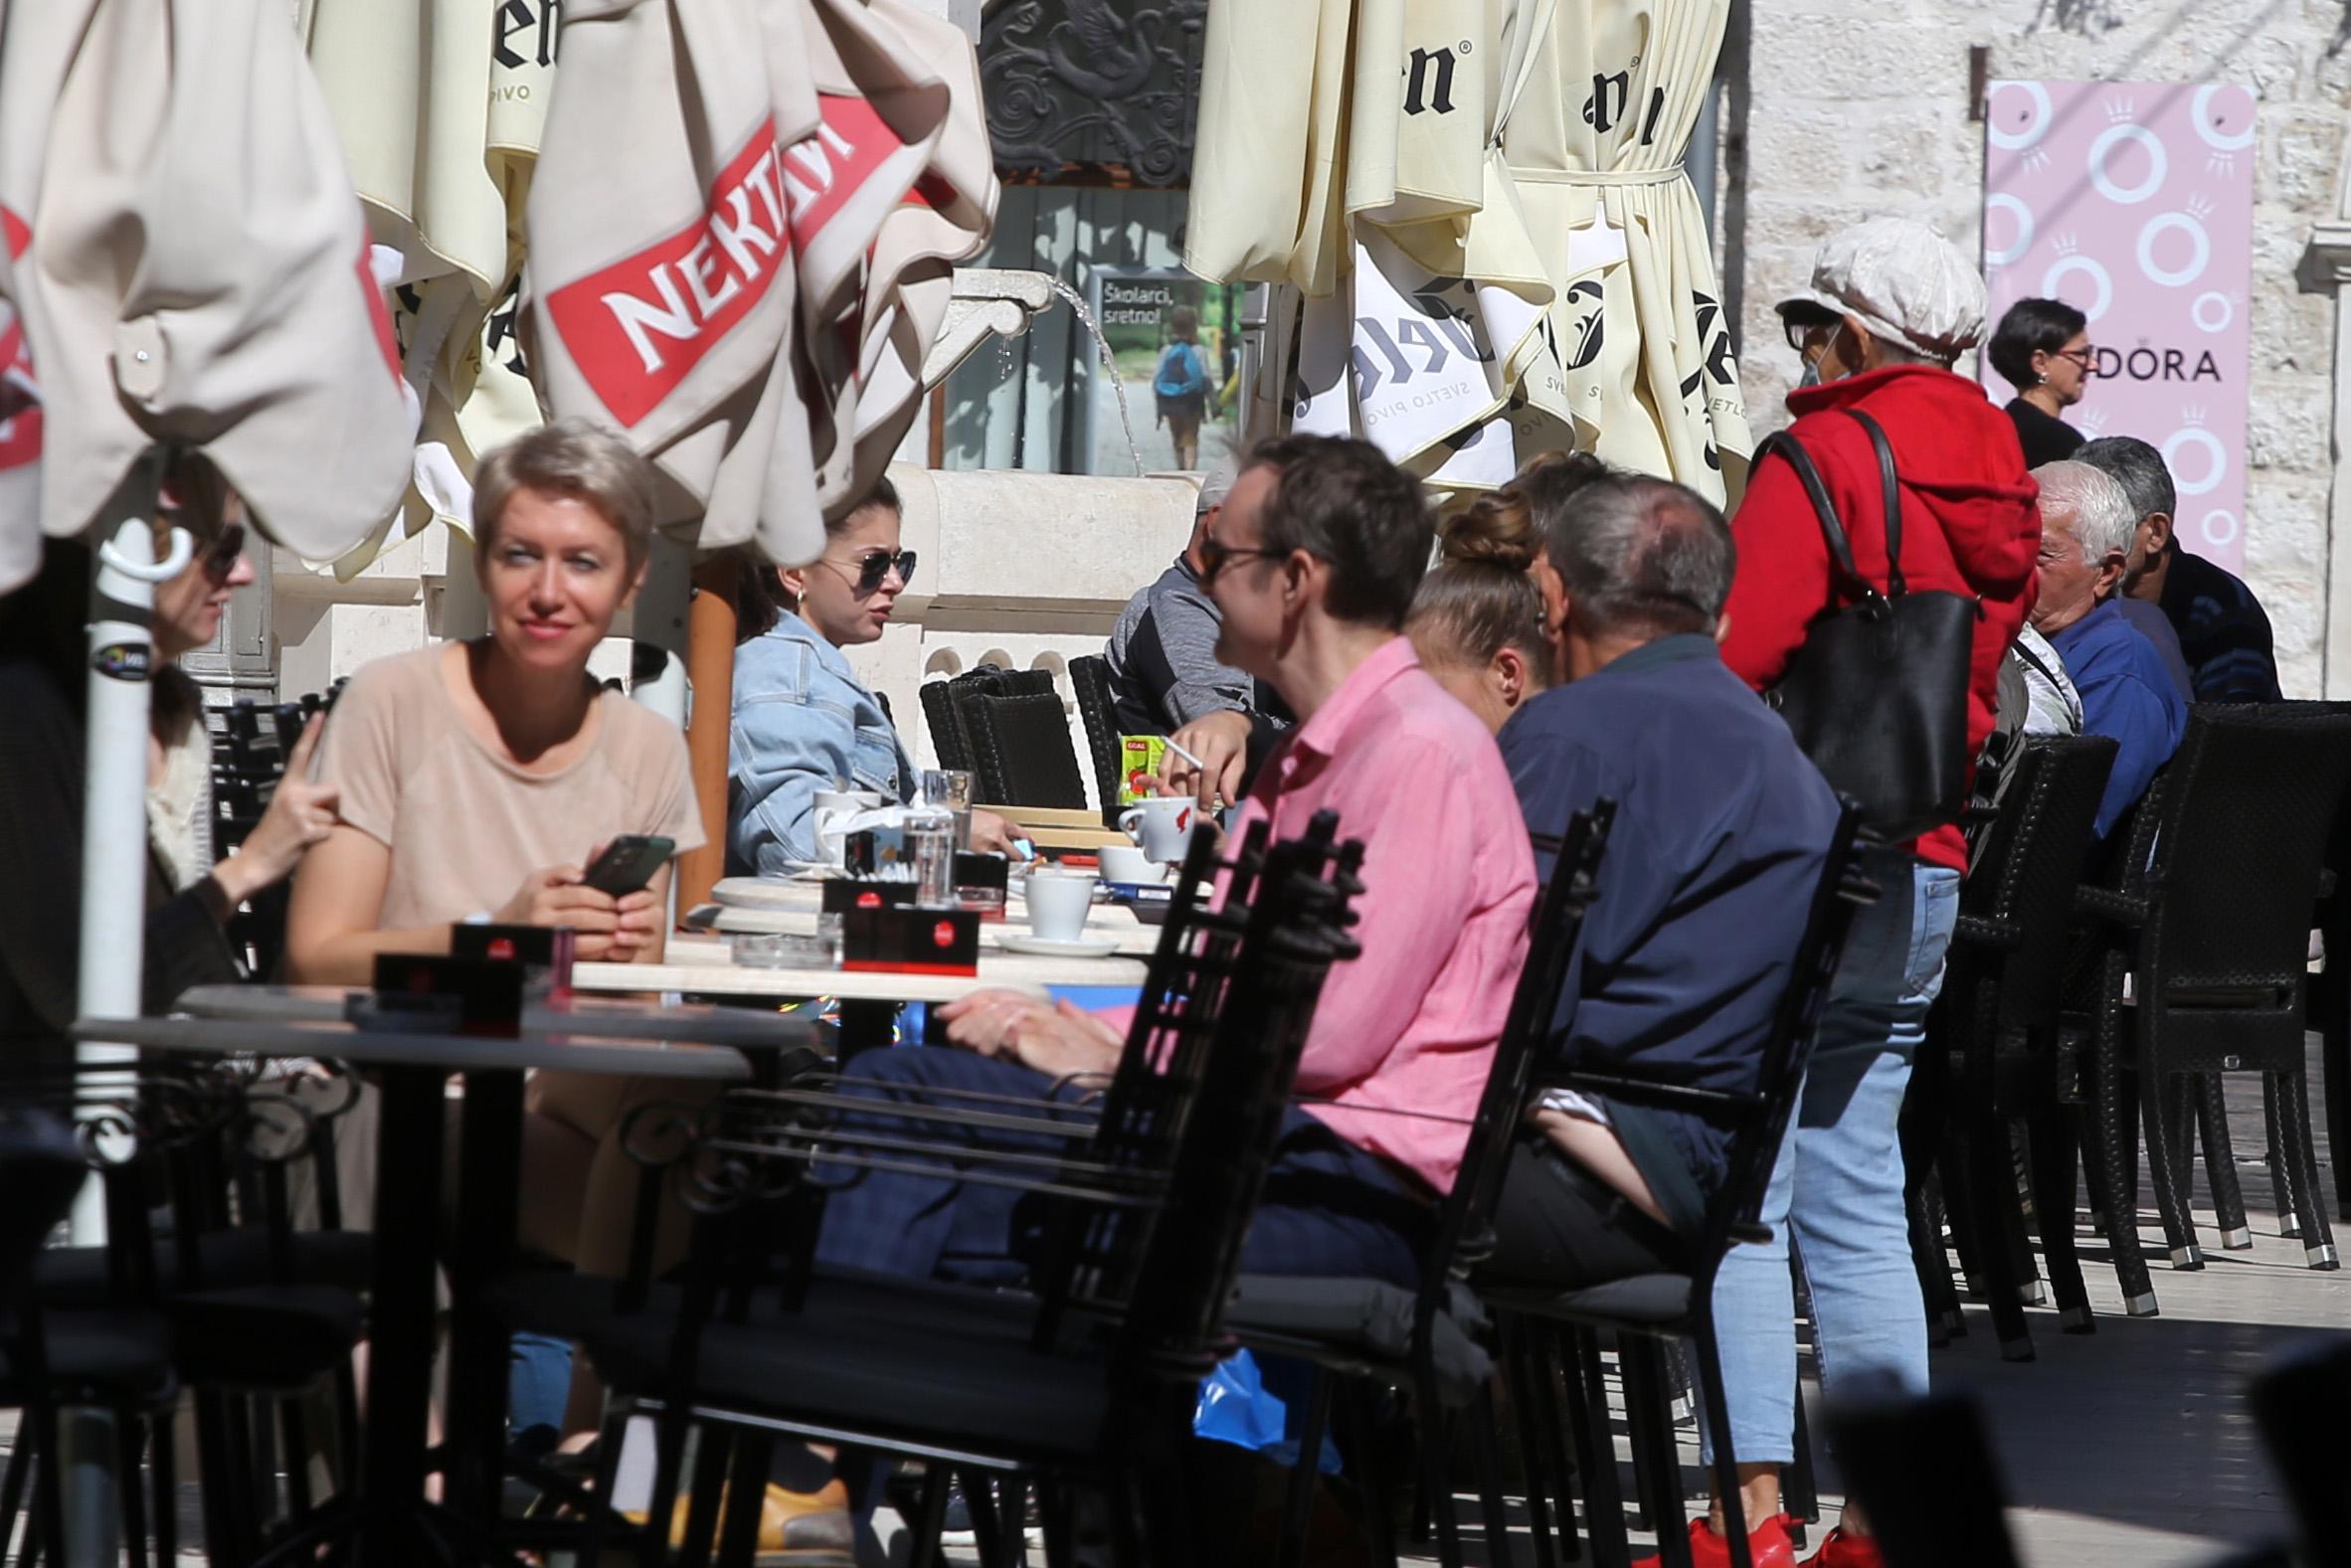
801	722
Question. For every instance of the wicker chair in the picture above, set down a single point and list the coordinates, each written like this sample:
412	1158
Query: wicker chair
1020	751
1090	678
2215	933
1999	1043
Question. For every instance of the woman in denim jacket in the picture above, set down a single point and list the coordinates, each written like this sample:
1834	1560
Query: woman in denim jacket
803	721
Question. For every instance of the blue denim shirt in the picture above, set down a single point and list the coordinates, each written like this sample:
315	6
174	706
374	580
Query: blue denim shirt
801	722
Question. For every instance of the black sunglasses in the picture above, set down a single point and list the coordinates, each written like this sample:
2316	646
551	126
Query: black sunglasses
874	570
1215	555
220	557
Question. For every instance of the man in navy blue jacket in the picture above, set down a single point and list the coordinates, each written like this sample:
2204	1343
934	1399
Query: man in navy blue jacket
1722	834
2087	522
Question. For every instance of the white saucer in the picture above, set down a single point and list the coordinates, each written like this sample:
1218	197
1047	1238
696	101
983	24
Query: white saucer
1046	947
781	892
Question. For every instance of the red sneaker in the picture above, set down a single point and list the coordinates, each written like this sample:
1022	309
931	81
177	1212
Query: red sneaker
1841	1548
1767	1544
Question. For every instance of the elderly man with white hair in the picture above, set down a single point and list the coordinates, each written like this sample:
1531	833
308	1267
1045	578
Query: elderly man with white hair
2087	522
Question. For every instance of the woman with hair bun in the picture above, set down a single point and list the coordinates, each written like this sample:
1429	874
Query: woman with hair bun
1477	619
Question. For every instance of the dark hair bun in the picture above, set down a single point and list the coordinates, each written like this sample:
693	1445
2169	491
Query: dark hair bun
1498	529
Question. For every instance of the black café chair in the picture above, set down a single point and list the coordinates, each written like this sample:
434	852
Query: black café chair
1089	677
1995	1055
1020	751
1645	1309
1363	1334
2213	935
1089	1382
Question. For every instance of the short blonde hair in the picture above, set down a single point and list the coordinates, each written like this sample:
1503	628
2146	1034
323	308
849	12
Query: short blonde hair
570	457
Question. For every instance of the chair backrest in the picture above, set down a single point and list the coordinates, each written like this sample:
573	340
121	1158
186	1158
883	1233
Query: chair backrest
2020	892
946	736
1465	1219
2251	806
1089	676
1762	1120
1226	1131
1020	751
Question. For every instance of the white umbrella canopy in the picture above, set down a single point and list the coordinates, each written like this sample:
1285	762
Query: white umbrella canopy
1637	361
1354	153
740	233
440	104
194	269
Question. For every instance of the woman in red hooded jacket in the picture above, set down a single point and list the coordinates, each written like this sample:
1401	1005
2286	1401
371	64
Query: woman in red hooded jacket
1892	305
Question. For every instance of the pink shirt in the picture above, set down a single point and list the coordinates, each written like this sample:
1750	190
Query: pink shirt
1448	880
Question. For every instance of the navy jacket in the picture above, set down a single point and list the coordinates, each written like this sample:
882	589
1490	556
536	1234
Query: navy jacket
1723	830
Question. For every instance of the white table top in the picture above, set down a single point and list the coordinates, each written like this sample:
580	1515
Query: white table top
698	966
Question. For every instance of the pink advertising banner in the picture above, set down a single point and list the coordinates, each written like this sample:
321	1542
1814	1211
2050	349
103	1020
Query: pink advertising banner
2132	202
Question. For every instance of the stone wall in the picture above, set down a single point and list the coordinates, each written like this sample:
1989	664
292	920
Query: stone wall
1844	109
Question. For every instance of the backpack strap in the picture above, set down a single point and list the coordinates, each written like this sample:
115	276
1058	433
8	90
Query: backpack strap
1891	486
1784	442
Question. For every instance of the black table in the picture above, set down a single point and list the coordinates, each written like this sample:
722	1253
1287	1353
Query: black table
387	1519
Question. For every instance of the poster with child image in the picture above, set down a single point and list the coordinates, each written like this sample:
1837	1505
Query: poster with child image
1175	345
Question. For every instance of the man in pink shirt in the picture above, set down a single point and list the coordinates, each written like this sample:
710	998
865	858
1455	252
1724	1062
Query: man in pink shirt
1312	563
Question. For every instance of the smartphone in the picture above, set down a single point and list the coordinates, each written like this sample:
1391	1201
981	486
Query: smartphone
628	863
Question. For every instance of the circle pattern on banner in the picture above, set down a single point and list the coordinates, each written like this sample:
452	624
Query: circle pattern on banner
2202	115
2220	527
2212	297
2158	164
2169	277
2014	251
2217	469
2096	274
2033	93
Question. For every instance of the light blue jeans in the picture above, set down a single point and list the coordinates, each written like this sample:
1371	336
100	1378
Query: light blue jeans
1839	1179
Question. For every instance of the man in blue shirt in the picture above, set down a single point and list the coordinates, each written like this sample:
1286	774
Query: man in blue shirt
2086	523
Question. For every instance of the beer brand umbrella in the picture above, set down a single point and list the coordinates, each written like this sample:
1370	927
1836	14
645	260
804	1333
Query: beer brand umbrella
1335	156
1637	363
189	266
1353	152
719	263
439	104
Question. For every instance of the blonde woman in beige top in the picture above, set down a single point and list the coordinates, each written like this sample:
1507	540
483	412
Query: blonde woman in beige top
478	777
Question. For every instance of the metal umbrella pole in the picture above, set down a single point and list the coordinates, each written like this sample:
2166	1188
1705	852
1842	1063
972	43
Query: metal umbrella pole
113	904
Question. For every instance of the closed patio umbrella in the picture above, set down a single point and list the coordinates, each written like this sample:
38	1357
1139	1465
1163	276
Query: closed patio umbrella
1335	156
440	106
1352	154
189	268
1637	362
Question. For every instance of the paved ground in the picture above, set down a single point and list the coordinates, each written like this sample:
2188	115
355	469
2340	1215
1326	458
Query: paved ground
2133	1448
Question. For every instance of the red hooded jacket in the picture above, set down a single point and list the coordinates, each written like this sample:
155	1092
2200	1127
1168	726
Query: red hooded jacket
1971	524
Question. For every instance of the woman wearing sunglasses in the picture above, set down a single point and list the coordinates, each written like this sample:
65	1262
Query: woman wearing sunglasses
2043	350
191	892
804	723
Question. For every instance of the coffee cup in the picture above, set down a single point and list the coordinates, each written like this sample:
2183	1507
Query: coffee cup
1161	825
1059	902
1125	863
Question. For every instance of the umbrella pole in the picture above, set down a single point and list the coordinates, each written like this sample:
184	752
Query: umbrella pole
710	667
662	623
114	905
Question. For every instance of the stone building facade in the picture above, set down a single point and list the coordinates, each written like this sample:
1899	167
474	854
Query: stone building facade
1837	110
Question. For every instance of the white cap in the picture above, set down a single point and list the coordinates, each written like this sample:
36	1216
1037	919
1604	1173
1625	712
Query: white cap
1904	281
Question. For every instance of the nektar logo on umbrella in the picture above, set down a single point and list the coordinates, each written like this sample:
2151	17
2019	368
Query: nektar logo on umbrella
638	327
20	407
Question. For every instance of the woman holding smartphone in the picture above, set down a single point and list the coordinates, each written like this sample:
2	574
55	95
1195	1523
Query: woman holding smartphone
478	778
